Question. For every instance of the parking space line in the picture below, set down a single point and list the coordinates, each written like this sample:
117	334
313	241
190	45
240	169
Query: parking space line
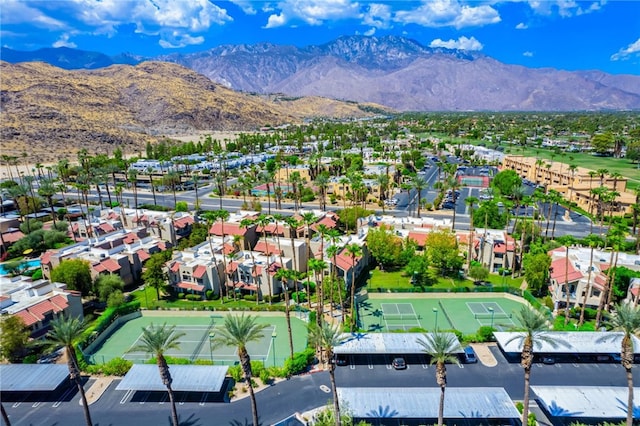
37	403
204	398
460	365
126	396
143	400
425	366
164	398
62	398
184	397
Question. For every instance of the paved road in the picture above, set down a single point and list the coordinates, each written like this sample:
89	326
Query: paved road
302	393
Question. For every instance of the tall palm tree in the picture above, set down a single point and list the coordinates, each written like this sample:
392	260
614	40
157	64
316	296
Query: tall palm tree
534	333
627	320
64	332
284	276
239	331
418	183
317	266
321	182
441	348
567	242
354	251
156	340
263	221
47	189
327	337
592	241
308	219
293	225
470	202
332	252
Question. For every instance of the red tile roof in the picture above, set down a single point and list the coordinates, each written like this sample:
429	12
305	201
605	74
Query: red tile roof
28	318
106	227
175	267
266	248
190	286
130	238
327	221
272	228
199	271
499	248
45	259
39	310
229	229
419	237
228	249
184	222
558	270
143	255
60	302
232	267
12	237
344	262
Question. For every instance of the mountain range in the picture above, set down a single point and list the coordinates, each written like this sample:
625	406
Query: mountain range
50	112
397	72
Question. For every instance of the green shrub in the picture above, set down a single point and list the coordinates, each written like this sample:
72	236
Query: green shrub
250	297
235	371
299	362
485	334
257	367
181	295
116	367
194	297
37	275
30	359
299	296
209	294
265	377
548	302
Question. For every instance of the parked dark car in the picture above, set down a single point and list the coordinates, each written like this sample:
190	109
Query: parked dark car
399	363
470	355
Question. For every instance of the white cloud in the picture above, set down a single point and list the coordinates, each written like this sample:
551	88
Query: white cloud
377	15
63	41
176	40
311	12
276	20
462	43
245	5
19	12
527	54
449	13
624	54
565	8
370	32
522	26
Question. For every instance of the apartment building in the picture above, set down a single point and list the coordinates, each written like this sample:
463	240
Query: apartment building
38	302
575	183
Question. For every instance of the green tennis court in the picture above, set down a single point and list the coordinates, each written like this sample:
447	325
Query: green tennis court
197	340
467	313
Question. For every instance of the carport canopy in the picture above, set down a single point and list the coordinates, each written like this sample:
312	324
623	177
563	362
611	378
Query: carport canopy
423	403
572	342
594	402
384	343
187	378
32	377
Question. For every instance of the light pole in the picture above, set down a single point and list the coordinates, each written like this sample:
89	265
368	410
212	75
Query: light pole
273	345
211	337
492	312
435	311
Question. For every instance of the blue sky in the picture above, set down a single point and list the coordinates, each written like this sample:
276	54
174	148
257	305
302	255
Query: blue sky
563	34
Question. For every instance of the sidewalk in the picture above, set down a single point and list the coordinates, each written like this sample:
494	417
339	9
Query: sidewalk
483	352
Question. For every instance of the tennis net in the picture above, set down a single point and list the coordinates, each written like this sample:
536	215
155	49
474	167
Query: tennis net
494	316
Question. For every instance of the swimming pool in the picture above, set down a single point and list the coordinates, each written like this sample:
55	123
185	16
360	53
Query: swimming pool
28	264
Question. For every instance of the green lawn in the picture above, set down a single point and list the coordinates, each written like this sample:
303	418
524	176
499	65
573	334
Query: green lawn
148	299
399	280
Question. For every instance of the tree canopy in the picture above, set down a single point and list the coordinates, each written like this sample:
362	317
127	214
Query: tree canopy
506	182
76	273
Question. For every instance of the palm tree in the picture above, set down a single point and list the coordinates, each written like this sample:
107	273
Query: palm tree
285	275
64	332
592	241
322	181
47	189
263	221
354	251
327	337
418	183
238	331
441	347
156	340
567	242
317	266
470	202
332	252
149	171
534	333
308	219
627	320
